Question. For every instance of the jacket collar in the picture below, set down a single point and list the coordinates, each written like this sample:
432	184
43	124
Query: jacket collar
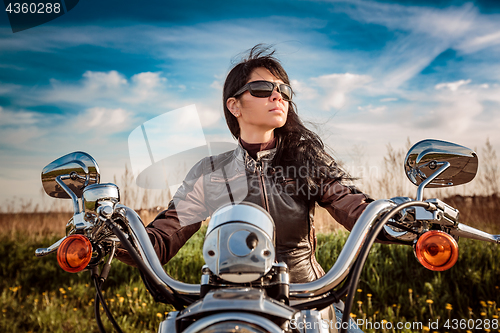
263	156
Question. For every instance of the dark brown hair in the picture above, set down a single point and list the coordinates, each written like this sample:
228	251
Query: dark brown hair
298	145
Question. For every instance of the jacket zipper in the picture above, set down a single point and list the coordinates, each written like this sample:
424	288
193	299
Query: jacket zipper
263	192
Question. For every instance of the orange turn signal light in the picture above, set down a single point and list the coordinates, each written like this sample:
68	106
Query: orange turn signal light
437	250
74	253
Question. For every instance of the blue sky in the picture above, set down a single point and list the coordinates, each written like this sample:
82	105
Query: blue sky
368	73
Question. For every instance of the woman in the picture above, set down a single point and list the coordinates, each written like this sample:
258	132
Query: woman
279	165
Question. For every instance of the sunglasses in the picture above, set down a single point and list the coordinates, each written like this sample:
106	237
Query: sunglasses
265	89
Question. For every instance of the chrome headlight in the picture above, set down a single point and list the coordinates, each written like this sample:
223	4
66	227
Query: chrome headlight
233	322
239	246
232	327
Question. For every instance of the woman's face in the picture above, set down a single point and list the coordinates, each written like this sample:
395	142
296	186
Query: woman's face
259	114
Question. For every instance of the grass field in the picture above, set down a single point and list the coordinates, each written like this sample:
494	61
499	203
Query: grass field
38	296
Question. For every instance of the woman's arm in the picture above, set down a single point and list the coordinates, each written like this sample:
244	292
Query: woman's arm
344	203
171	229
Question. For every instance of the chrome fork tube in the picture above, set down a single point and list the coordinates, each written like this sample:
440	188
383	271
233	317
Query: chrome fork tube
347	256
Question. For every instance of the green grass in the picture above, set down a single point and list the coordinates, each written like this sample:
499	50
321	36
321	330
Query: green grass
395	287
38	296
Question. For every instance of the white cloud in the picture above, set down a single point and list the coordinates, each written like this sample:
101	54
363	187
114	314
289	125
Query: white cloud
21	137
6	88
389	99
20	118
480	42
209	116
146	86
453	86
106	80
445	23
110	120
217	84
375	110
303	90
421	33
336	87
145	92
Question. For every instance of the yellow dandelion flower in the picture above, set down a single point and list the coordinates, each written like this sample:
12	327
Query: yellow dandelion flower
359	290
483	303
62	291
112	300
159	315
487	330
135	289
4	310
483	314
490	303
469	331
353	315
394	305
384	321
369	295
121	299
44	293
360	302
69	288
65	296
426	329
448	306
410	290
166	313
495	317
144	304
129	294
86	285
74	309
429	301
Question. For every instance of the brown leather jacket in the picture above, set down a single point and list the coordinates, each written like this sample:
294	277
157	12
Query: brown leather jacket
235	176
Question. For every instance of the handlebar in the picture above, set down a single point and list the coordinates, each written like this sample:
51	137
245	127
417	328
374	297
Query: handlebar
298	291
148	254
348	254
466	231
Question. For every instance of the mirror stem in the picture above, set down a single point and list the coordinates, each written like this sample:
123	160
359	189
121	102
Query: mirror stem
420	189
74	198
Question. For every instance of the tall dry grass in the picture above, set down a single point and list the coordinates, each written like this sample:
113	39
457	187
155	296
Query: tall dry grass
477	201
389	180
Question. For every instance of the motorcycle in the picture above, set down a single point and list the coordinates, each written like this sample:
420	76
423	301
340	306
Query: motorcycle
242	288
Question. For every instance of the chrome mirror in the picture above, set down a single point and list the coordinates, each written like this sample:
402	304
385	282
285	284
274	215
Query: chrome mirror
66	177
435	163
